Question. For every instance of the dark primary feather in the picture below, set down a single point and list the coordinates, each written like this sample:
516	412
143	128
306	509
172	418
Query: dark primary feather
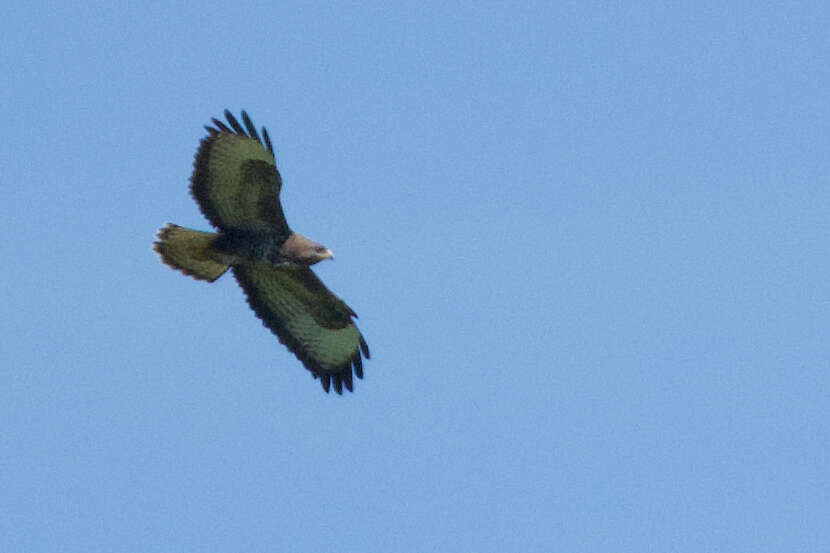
358	363
250	126
221	126
267	140
234	123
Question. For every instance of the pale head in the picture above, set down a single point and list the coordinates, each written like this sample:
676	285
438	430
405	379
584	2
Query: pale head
303	251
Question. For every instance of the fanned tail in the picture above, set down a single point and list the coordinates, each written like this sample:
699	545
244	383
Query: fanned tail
191	252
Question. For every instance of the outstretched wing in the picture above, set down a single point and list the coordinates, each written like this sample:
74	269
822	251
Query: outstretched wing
235	178
312	322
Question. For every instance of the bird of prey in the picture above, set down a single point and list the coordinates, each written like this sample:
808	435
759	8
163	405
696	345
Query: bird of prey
236	183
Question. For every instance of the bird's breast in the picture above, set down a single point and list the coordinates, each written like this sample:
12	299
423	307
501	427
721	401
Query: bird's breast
251	245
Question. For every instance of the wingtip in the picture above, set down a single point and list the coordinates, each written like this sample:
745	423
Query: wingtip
234	127
336	380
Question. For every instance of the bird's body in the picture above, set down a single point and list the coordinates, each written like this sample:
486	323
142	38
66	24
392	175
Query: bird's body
236	184
269	247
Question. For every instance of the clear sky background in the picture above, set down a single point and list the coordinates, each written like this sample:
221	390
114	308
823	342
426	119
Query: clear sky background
588	244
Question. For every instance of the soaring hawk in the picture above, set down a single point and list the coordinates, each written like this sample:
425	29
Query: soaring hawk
236	183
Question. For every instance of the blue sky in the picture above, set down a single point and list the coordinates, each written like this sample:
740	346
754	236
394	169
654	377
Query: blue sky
588	244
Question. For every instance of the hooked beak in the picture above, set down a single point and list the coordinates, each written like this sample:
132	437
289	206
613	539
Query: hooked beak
327	254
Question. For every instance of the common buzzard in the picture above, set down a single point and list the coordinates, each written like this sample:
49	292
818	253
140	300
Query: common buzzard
236	183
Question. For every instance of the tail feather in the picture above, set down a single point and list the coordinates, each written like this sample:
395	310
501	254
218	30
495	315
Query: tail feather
191	252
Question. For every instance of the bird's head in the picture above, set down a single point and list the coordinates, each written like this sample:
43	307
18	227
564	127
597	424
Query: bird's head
303	251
